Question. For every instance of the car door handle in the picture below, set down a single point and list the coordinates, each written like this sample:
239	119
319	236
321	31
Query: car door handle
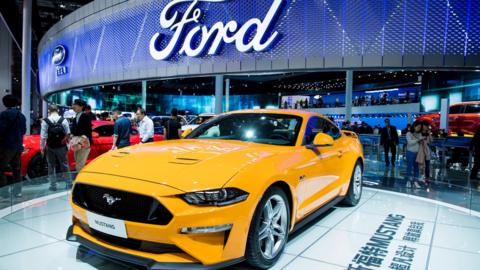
340	153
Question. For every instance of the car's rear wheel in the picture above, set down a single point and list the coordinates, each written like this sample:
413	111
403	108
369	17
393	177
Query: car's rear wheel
269	229
37	167
354	192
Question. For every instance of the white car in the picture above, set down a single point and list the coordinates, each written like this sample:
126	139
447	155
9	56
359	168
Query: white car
197	121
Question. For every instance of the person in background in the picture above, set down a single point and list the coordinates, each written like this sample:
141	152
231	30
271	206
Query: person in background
414	138
347	125
104	116
90	114
425	153
12	129
475	148
53	143
405	130
145	126
173	128
389	140
82	134
365	129
122	130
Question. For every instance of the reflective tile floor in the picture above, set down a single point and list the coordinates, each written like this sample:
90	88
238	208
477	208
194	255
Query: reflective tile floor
385	231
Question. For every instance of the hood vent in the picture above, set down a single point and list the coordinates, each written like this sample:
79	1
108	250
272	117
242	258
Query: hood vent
185	161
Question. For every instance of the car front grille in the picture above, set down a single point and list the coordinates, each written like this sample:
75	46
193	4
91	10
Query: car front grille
126	206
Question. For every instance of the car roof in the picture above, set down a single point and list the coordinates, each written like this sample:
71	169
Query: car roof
466	103
300	113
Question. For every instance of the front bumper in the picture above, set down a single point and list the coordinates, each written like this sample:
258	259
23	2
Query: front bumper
197	251
150	264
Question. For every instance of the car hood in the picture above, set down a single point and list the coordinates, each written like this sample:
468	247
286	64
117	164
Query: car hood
187	165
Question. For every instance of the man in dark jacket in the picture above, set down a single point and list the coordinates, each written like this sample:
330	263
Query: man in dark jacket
476	153
81	127
122	130
12	128
173	128
389	140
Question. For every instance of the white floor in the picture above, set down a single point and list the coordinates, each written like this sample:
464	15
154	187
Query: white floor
33	238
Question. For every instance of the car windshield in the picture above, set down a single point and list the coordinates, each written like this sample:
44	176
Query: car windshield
200	119
275	129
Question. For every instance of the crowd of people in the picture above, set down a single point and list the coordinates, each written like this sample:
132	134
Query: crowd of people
418	149
358	101
58	135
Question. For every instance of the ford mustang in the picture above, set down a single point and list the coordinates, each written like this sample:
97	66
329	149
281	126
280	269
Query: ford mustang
232	190
33	165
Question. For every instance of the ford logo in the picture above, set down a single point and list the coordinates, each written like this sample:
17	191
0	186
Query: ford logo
110	199
59	55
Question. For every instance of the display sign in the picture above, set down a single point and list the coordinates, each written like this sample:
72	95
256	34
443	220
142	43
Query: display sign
58	59
376	253
253	35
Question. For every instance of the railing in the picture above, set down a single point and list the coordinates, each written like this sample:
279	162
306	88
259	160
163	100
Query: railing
31	191
448	153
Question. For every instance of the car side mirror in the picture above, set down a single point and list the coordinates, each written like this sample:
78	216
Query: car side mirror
95	135
321	140
187	132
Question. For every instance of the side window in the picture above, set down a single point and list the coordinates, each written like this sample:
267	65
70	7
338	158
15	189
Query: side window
472	108
104	131
331	129
456	109
314	126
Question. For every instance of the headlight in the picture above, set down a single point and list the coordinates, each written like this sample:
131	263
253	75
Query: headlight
216	197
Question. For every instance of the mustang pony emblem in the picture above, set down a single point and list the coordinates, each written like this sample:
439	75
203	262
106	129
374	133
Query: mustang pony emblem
110	199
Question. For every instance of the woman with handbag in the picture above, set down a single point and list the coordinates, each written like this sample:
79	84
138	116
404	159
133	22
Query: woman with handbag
82	134
425	153
414	139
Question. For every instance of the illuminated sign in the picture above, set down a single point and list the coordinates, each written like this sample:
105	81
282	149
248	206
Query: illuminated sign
253	35
58	58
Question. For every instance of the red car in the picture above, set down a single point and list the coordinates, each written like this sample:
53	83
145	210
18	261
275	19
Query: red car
34	165
464	117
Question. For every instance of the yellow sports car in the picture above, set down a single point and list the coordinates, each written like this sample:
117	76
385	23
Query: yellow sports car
232	190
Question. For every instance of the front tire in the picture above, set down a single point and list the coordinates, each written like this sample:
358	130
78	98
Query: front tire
37	167
354	192
269	229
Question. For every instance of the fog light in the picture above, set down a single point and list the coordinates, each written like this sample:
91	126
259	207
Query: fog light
210	229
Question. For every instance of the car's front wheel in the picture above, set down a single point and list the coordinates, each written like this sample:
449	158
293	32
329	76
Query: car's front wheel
354	192
269	229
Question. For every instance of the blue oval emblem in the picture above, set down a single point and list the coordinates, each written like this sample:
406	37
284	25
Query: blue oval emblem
59	55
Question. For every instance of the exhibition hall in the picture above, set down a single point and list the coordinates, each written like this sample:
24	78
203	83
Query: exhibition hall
240	134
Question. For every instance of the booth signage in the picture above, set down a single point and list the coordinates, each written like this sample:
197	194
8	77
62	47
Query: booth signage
58	59
253	35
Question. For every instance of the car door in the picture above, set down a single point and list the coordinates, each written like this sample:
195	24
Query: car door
103	143
454	118
320	169
134	137
470	119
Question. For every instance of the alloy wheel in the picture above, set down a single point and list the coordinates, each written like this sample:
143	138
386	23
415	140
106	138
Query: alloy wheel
357	182
273	227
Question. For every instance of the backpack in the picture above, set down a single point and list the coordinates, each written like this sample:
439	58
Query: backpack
56	133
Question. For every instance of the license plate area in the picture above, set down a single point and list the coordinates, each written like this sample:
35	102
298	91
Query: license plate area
110	226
